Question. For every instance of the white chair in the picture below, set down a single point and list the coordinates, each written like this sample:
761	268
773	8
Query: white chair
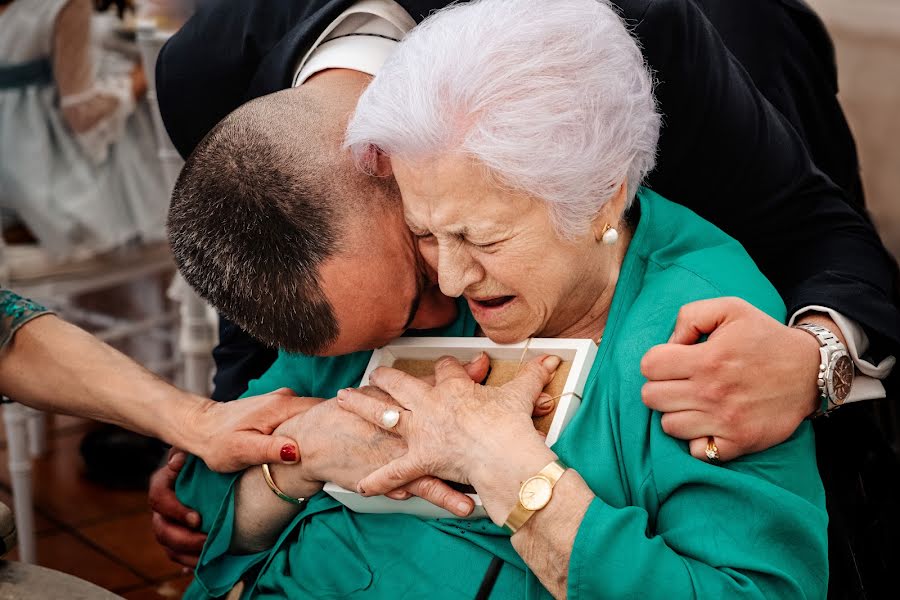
56	285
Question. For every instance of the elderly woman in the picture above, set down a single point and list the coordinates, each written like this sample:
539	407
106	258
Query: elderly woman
525	131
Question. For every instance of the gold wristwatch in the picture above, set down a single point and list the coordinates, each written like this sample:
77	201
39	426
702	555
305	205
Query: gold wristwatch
534	495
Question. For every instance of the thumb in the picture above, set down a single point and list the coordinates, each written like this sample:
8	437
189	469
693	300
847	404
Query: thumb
531	380
478	368
256	449
701	318
176	460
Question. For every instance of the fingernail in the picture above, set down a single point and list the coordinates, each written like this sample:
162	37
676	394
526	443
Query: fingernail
545	401
289	453
193	519
463	507
552	362
185	571
172	459
360	490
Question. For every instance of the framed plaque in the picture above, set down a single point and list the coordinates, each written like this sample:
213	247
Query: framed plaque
416	356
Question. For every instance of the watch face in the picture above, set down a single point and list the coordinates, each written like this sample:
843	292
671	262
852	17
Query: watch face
841	379
535	493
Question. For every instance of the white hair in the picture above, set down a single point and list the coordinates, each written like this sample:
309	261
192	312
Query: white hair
553	98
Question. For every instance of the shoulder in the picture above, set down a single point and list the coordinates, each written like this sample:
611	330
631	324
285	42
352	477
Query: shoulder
694	260
687	258
654	14
676	258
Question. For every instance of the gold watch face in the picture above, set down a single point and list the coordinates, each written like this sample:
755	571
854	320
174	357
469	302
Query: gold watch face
535	493
841	379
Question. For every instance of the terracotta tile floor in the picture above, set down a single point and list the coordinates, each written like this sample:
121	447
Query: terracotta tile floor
89	531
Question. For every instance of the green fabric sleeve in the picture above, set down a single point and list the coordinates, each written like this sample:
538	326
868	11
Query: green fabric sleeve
699	546
212	494
752	528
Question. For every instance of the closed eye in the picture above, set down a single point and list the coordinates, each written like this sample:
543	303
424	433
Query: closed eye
484	245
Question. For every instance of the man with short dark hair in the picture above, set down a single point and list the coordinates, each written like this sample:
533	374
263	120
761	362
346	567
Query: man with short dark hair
278	231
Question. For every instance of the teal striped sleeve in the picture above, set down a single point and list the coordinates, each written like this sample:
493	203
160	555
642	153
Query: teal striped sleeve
16	311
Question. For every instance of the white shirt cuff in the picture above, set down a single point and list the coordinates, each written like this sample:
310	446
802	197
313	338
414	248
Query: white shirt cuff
364	53
866	384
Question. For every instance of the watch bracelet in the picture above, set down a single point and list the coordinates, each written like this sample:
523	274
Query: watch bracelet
826	406
519	514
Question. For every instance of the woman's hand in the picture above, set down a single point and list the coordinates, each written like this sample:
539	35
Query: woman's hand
230	436
458	430
340	447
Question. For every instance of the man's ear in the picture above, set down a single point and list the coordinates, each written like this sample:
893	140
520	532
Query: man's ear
375	162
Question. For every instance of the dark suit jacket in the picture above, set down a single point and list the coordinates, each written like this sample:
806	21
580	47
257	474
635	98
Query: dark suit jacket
748	93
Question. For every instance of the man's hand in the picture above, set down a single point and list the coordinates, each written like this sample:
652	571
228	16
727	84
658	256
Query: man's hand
175	526
750	385
230	436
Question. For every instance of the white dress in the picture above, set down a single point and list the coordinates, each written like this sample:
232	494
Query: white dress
98	189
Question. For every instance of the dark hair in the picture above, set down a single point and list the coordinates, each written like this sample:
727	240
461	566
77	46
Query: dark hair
103	5
256	211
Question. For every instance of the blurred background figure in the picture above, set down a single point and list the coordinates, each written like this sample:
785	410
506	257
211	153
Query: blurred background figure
83	202
167	15
81	181
78	168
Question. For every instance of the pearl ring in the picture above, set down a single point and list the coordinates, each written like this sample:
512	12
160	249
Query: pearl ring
390	418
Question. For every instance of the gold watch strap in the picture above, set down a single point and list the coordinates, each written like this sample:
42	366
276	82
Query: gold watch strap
520	514
267	475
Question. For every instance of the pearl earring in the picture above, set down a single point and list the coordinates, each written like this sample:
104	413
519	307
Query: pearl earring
610	235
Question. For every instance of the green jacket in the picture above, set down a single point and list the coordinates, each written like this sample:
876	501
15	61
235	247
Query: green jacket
663	524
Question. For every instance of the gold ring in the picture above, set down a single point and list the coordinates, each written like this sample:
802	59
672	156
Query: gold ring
712	451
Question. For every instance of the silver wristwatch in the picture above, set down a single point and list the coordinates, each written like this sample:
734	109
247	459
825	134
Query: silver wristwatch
836	368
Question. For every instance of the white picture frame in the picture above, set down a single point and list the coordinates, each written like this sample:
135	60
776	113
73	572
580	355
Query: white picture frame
580	352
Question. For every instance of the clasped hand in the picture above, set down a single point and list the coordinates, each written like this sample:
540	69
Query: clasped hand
749	386
454	429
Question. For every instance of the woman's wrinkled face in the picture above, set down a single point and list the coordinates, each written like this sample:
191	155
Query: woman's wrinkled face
499	249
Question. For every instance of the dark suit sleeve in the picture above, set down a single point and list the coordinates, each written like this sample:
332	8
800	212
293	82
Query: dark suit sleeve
796	71
206	70
239	359
729	155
